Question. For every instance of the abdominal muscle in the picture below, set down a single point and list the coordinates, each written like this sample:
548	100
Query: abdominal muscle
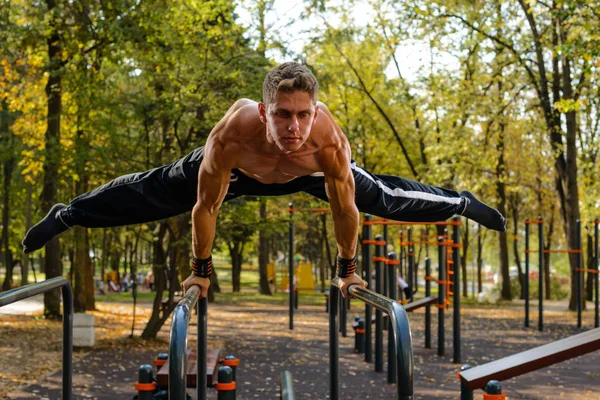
281	169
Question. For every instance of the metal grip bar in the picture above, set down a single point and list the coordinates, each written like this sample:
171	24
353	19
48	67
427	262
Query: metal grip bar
178	344
14	295
402	338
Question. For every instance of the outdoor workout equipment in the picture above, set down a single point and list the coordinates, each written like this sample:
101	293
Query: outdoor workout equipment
526	361
449	274
399	326
24	292
579	271
293	300
402	360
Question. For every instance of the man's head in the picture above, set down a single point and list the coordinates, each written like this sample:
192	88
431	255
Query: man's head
289	106
289	77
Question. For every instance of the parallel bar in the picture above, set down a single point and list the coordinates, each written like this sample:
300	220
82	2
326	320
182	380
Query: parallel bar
178	345
14	295
401	336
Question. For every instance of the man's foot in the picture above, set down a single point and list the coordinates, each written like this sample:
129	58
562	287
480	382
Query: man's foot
482	213
45	230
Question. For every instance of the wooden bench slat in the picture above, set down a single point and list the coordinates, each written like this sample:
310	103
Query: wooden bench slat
212	363
532	360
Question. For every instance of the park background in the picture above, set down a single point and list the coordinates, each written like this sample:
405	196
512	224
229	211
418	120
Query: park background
500	98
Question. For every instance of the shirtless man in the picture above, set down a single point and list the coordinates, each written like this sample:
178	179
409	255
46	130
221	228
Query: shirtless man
285	144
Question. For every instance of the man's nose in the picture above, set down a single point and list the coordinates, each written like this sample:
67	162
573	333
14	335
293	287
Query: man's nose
294	125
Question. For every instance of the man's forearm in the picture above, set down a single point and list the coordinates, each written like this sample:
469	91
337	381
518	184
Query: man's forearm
346	232
203	230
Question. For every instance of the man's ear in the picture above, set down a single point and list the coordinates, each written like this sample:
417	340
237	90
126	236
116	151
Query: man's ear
262	112
316	113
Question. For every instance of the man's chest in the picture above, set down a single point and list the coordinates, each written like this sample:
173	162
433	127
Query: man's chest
278	169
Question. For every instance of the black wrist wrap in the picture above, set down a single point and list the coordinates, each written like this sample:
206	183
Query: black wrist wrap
345	267
202	267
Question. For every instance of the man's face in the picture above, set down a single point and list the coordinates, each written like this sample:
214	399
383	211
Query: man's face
289	119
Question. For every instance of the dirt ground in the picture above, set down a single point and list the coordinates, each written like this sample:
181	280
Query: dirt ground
259	336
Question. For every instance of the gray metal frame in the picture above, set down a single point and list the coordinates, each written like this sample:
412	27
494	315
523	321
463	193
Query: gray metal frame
14	295
401	334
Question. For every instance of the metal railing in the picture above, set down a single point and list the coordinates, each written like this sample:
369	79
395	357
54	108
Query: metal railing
401	336
178	346
14	295
287	386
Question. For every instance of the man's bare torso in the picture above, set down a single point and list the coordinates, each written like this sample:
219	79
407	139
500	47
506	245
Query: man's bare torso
263	161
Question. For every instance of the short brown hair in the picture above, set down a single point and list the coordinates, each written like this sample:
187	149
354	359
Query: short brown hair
289	77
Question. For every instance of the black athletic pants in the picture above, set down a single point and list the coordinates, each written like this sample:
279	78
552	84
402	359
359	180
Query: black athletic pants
172	189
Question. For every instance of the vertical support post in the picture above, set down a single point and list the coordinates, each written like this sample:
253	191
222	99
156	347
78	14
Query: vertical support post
596	314
456	289
391	273
343	316
291	266
366	262
441	293
579	275
385	239
526	286
465	392
540	223
201	348
67	373
379	263
334	370
428	308
411	261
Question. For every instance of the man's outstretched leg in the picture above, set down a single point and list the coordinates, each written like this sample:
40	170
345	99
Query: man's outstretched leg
45	230
401	199
482	213
131	199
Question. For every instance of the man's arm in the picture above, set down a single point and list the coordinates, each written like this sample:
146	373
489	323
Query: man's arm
339	186
213	181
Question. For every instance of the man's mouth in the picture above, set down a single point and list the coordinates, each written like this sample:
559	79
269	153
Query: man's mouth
291	140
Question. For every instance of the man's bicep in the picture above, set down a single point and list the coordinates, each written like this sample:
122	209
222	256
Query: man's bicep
213	177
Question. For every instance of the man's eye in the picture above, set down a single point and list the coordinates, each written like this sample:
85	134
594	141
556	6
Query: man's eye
304	115
282	114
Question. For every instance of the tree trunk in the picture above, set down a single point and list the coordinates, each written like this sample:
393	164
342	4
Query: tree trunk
324	256
514	205
9	165
236	253
263	249
28	223
53	265
479	260
547	258
501	190
589	265
159	315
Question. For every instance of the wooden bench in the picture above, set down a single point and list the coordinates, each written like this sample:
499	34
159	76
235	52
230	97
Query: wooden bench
531	360
212	363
